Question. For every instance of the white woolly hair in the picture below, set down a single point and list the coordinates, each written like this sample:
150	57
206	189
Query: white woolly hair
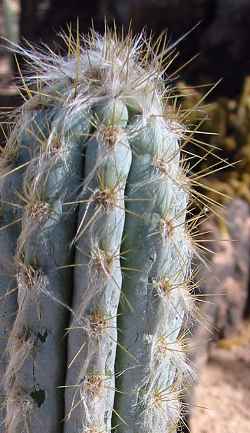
96	68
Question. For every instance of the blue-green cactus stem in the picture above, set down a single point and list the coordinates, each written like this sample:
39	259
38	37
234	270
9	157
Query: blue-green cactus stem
45	280
155	239
14	160
93	334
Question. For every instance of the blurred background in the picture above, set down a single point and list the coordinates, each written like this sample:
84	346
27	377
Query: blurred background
220	38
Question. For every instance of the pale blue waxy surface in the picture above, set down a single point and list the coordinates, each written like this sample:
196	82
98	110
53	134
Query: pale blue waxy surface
153	236
98	276
46	235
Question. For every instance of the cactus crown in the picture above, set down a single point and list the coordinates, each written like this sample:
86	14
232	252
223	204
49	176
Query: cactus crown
95	179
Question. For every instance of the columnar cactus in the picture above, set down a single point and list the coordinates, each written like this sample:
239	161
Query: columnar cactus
95	248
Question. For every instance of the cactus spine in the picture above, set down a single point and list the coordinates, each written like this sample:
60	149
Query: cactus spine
102	254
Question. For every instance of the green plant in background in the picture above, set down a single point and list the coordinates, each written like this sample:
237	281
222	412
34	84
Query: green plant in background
97	237
228	121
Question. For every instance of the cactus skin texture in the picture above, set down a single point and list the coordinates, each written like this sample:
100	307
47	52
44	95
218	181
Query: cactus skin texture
157	247
94	206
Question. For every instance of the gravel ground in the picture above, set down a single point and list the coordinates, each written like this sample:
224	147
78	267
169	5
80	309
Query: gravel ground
223	393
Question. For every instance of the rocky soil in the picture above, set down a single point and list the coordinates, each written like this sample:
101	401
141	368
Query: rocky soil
223	394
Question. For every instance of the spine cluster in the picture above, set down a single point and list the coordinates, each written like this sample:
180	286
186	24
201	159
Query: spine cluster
96	280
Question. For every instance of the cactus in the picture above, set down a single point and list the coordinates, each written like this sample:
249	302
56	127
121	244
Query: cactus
94	206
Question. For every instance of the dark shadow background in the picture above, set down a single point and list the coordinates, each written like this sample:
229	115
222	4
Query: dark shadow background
222	37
